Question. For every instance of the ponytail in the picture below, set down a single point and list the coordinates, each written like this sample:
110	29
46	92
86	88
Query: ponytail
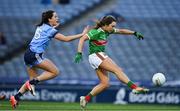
106	20
45	17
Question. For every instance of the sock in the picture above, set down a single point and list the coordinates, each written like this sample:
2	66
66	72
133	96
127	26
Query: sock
88	97
34	82
17	96
131	85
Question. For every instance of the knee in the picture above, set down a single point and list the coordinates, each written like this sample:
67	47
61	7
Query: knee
105	85
56	72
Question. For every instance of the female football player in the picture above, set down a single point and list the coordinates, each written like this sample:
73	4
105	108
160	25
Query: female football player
100	61
33	56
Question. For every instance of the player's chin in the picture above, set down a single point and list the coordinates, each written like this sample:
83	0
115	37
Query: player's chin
57	23
2	97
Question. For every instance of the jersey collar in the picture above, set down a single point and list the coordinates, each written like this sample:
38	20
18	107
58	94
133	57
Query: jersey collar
47	24
101	29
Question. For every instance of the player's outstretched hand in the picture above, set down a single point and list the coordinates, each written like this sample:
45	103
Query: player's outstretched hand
139	35
78	57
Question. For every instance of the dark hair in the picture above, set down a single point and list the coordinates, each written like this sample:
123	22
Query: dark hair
106	20
45	16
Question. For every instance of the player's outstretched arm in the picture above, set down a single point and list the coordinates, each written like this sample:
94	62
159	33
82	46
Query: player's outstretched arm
78	56
64	38
124	31
138	35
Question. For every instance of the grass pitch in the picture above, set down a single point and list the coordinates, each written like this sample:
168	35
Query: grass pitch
58	106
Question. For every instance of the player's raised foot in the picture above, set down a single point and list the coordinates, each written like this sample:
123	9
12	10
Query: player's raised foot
30	88
140	90
13	102
83	102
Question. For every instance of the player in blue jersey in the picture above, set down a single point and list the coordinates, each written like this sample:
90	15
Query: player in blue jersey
33	56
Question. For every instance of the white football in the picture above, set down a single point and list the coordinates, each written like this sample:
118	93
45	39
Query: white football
158	79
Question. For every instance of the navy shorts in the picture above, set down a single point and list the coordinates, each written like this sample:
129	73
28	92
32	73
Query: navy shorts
32	58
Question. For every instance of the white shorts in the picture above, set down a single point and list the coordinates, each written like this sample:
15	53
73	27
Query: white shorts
96	59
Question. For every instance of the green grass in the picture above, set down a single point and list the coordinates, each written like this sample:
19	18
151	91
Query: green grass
58	106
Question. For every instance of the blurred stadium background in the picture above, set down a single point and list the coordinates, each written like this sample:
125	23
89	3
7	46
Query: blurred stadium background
158	20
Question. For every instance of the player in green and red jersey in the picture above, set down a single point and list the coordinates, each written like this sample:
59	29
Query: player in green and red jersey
100	61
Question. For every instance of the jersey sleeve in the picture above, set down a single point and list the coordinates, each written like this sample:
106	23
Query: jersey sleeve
115	30
52	32
92	34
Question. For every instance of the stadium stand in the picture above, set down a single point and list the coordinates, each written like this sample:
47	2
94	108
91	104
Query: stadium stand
18	19
159	52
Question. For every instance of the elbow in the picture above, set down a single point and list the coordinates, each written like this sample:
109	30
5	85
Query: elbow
82	39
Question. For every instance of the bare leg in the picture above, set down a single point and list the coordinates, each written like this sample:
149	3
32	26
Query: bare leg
109	65
104	82
32	71
50	72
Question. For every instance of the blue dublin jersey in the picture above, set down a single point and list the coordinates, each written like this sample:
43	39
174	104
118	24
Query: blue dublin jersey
41	38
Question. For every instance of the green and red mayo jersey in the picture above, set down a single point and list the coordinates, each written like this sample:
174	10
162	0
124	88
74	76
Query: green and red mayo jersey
98	40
